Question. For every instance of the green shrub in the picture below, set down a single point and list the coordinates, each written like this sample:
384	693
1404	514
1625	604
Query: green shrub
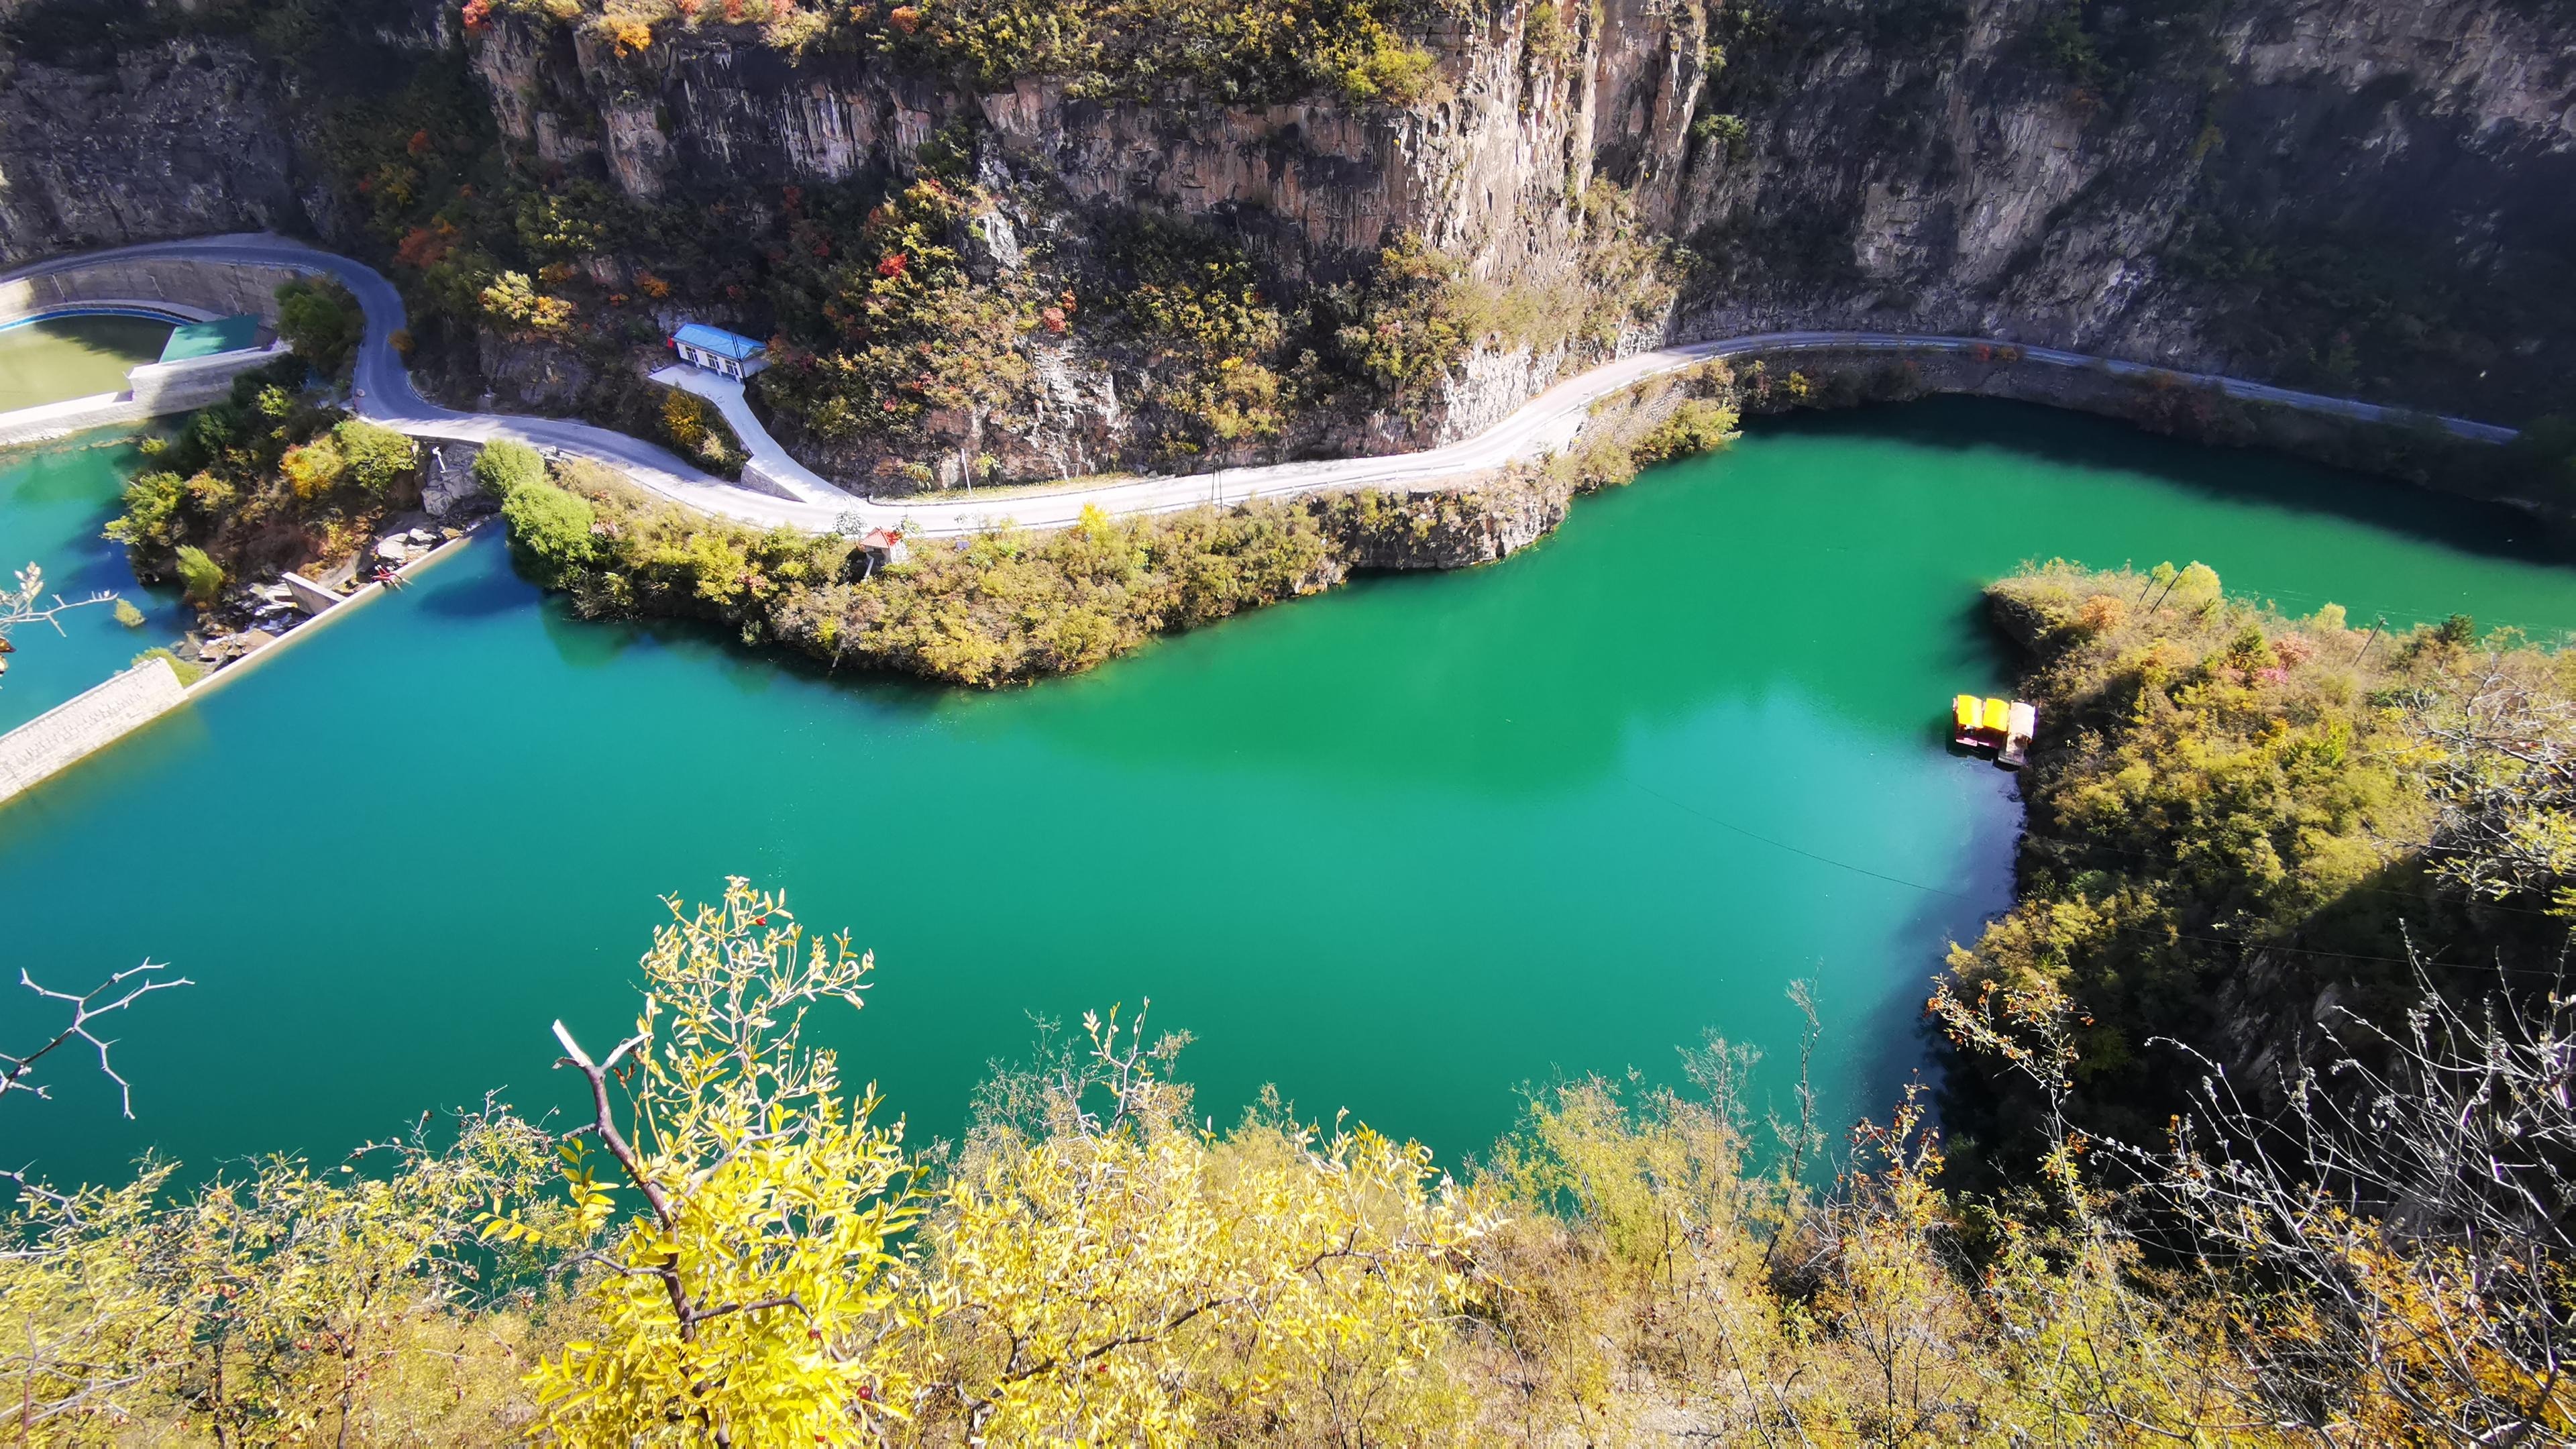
1699	426
697	431
549	527
1414	320
1230	53
128	615
2229	813
912	332
315	468
199	576
151	518
1726	131
188	672
321	321
378	457
505	466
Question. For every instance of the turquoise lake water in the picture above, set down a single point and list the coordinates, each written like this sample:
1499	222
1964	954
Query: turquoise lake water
53	502
1400	849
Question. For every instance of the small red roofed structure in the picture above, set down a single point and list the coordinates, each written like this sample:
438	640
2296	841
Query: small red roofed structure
883	546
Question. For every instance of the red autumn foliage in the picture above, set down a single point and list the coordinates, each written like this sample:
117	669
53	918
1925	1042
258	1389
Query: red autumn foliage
421	247
478	13
1053	318
906	18
893	264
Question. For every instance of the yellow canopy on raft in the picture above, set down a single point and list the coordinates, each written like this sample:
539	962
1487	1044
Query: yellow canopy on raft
1964	711
1998	716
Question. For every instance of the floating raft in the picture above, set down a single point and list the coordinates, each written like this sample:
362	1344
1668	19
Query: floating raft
2003	726
2020	723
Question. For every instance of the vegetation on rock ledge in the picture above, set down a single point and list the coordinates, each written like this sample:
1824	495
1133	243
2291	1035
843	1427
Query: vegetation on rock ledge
271	479
2235	816
1007	606
1352	49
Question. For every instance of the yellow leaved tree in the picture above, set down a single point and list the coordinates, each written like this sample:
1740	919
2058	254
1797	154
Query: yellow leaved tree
1107	1272
751	1300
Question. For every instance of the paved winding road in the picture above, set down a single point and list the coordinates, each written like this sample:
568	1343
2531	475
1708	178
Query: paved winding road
385	394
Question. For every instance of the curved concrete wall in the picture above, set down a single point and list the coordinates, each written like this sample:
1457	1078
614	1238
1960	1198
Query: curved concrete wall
215	289
175	286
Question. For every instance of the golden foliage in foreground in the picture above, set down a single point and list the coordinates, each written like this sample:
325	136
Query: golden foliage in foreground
738	1254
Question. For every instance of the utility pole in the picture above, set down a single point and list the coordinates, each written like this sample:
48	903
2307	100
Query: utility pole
2372	639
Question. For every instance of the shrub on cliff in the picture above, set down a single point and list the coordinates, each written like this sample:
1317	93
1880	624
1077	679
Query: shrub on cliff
550	528
200	577
1699	425
2232	812
1413	321
506	465
379	459
1213	343
321	321
1351	49
909	333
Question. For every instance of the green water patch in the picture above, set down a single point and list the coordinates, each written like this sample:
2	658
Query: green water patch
60	358
53	502
1399	849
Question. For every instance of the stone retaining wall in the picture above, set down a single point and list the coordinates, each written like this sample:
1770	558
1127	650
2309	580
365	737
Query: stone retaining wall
222	288
43	746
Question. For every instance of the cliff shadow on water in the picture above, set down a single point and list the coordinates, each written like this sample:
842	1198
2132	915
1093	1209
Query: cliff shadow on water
2079	439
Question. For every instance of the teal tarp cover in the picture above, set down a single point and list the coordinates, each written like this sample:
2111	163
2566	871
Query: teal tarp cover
205	339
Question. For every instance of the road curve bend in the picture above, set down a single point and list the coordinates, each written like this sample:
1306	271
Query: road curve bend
385	394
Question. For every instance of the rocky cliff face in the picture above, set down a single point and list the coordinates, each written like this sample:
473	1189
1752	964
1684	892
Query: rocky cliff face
185	137
2365	194
2376	196
139	120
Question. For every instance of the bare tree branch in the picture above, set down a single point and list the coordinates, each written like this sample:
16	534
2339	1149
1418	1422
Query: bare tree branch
121	991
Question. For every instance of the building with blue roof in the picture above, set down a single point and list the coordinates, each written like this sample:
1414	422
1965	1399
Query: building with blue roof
717	350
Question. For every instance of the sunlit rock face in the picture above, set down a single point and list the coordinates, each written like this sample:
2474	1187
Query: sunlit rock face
1908	166
2374	197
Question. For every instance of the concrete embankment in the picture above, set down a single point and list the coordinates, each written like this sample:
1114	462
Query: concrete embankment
153	390
177	287
86	723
